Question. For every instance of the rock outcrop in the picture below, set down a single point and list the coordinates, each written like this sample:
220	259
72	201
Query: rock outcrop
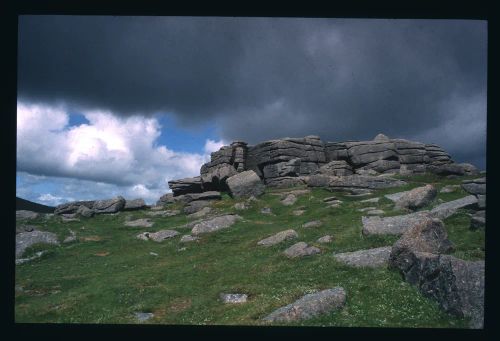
89	208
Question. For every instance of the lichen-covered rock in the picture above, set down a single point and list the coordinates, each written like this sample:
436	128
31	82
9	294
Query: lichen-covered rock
449	208
233	298
139	223
185	186
158	236
365	258
109	205
135	204
215	224
478	220
314	223
475	186
245	184
289	200
395	225
336	168
301	249
167	198
201	213
310	306
325	239
350	182
27	239
84	211
195	206
417	197
278	238
72	207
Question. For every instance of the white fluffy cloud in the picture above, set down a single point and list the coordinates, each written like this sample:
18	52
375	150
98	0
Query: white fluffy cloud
114	154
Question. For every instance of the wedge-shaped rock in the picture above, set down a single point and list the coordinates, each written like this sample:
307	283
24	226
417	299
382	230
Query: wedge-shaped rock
215	224
310	306
109	206
396	225
245	184
417	197
449	208
365	258
475	186
27	239
278	238
301	249
135	204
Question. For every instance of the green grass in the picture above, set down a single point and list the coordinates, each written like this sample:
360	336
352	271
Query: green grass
109	274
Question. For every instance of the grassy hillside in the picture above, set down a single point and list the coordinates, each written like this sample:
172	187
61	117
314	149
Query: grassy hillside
23	204
108	274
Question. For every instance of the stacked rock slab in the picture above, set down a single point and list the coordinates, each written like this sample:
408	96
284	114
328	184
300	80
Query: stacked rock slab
186	185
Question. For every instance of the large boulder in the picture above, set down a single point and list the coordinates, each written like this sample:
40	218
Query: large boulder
195	206
84	211
135	204
215	224
28	239
245	184
72	207
186	185
417	197
310	306
453	169
475	186
396	225
109	206
478	220
167	198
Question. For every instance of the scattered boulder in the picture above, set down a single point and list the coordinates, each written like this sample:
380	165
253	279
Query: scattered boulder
458	169
365	258
478	220
158	236
314	223
71	238
241	206
109	206
72	207
215	224
310	306
278	238
475	186
245	184
449	208
201	213
375	212
233	298
188	238
289	200
84	211
136	204
195	206
298	212
266	210
449	188
301	249
417	197
26	215
372	200
364	209
163	213
330	199
165	199
27	239
142	317
144	222
325	239
396	225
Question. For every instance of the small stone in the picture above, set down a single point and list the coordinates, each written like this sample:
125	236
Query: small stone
301	249
188	238
139	223
375	212
449	188
266	210
153	254
365	258
181	249
298	212
70	238
233	298
241	206
325	239
314	223
143	316
278	238
289	200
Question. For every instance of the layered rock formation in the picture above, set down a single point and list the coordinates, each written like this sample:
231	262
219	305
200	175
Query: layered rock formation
309	160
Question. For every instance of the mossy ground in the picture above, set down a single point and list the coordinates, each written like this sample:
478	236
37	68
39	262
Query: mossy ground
109	274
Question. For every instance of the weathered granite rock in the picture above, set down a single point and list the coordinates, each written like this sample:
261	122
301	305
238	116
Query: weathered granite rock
278	238
201	213
266	210
163	213
289	200
364	182
215	224
310	306
336	168
453	169
27	239
109	205
429	235
416	198
26	228
195	206
449	189
158	236
375	212
72	207
478	220
325	239
301	249
135	204
209	195
481	201
330	199
449	208
142	317
364	209
185	186
285	181
314	223
84	211
245	184
167	198
29	259
318	180
365	258
26	215
396	225
233	298
188	238
475	186
71	238
145	222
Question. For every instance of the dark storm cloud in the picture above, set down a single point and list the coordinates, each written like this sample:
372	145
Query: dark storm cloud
262	78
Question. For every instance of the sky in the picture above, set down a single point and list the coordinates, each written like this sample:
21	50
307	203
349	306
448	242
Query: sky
112	106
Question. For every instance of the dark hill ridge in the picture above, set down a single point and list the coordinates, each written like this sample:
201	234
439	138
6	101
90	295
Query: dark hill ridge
23	204
291	161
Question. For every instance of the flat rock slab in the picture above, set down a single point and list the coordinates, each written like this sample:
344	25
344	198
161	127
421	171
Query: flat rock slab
215	224
449	208
314	223
449	189
365	258
278	238
375	212
29	259
396	225
475	186
325	239
27	239
309	306
158	236
26	215
188	238
364	209
201	213
301	249
144	222
396	196
233	298
141	317
163	213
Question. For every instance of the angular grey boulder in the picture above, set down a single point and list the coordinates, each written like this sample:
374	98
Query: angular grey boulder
289	200
185	186
135	204
310	306
417	197
27	239
301	249
245	184
195	206
233	298
449	208
108	206
215	224
365	258
278	238
478	220
84	211
336	168
475	186
158	236
347	183
395	225
201	213
72	207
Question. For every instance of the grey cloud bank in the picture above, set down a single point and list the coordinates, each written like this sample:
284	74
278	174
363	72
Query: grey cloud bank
263	78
